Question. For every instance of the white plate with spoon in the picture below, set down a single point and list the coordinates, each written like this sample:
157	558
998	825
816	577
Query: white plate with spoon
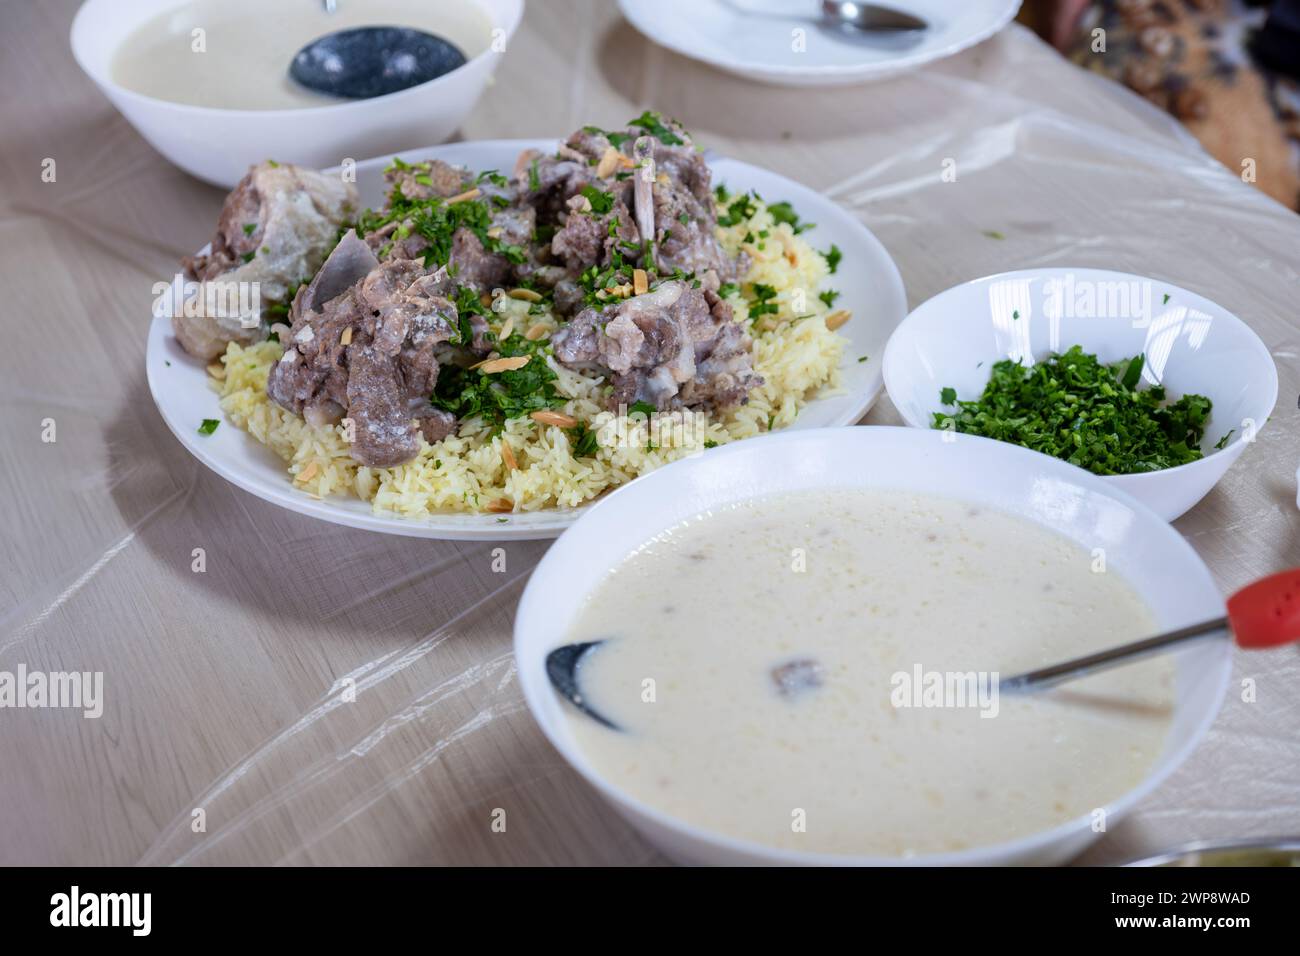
795	43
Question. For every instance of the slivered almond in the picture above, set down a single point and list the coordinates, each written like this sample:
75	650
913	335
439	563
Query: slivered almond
494	232
308	473
617	291
508	456
538	331
608	162
558	419
584	204
627	162
640	282
527	295
466	195
217	371
838	318
506	329
500	505
346	337
504	364
486	299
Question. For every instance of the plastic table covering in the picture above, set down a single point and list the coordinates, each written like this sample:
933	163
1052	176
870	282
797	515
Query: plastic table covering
225	691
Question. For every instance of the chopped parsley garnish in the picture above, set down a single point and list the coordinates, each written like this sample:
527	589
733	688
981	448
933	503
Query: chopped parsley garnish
493	177
763	301
248	256
727	289
601	202
1223	442
710	443
615	139
993	234
784	212
1076	408
641	408
737	210
833	257
250	228
1165	301
582	441
653	123
829	296
534	180
437	220
499	396
209	426
467	303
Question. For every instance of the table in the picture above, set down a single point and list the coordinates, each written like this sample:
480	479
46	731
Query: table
316	695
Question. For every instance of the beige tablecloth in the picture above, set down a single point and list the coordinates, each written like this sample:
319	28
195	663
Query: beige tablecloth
224	690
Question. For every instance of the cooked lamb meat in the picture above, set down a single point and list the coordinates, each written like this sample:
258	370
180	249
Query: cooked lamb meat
724	363
402	296
468	261
674	346
661	192
547	183
683	212
427	180
385	431
275	229
589	238
397	324
474	266
798	676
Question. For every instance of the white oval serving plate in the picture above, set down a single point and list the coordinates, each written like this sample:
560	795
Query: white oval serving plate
756	39
867	277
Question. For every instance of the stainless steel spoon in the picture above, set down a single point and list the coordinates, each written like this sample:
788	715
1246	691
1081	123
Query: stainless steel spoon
850	17
1261	615
862	20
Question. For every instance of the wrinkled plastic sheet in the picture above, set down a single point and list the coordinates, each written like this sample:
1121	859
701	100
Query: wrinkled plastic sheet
321	695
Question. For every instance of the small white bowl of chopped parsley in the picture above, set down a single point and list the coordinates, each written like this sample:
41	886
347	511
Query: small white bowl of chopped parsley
1153	387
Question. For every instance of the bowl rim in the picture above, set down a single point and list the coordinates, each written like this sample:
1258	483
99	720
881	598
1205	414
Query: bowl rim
1232	449
846	72
1279	844
532	610
104	80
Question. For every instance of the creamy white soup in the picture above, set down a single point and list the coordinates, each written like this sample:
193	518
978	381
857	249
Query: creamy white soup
814	672
247	46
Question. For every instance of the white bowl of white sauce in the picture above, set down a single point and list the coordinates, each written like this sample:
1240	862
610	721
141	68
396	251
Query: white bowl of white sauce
206	82
773	611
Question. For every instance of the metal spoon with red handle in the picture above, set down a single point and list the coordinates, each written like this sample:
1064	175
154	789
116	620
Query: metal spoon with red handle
1260	615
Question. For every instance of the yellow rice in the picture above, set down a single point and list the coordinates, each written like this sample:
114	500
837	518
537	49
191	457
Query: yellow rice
795	353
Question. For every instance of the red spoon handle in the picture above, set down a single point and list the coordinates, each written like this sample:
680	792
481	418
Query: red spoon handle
1267	613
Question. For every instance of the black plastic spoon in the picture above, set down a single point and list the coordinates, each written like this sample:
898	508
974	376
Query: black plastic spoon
562	668
364	62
